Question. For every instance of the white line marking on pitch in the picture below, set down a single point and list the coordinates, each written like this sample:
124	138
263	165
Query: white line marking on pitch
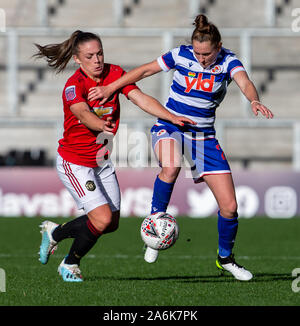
125	256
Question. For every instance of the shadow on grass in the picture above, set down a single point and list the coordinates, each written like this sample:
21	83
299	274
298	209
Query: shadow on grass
259	277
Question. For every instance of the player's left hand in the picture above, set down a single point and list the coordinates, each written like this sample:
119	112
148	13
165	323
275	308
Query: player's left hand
256	107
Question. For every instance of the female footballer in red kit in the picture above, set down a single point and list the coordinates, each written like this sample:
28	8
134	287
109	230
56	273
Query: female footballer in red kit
83	163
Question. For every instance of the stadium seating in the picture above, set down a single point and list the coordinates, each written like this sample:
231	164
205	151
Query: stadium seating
275	63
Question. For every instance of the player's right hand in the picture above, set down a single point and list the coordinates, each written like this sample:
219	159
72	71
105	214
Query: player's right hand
181	121
108	125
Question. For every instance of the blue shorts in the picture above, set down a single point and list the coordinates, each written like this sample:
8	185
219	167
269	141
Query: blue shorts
203	153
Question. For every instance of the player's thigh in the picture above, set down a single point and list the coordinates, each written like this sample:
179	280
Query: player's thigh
109	185
168	153
166	144
222	186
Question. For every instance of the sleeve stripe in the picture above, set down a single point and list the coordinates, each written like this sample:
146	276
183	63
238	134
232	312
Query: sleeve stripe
161	62
165	62
232	71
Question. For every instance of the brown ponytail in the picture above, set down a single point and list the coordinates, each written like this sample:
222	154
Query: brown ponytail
58	55
205	31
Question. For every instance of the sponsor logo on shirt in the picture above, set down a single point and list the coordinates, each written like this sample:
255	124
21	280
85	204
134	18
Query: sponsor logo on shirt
200	83
101	111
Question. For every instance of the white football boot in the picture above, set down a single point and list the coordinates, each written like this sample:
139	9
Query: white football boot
229	264
150	255
69	273
48	245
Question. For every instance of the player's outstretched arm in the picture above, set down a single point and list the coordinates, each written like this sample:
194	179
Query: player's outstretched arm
134	75
249	90
152	106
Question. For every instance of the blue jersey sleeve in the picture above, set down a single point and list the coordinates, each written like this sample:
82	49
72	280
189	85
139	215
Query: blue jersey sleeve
235	66
166	61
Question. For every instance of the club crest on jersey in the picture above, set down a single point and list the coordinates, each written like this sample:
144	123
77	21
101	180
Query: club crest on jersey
161	132
200	83
101	111
70	93
216	69
90	185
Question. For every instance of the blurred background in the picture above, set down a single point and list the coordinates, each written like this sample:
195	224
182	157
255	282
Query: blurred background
263	33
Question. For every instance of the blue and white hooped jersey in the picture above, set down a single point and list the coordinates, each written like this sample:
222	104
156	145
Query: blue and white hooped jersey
197	92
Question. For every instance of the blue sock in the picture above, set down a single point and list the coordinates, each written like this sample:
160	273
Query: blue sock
227	232
162	192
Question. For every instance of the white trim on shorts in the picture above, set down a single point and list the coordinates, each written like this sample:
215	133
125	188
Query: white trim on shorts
200	179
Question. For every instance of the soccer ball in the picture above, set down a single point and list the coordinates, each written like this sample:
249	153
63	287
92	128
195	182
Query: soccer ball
159	231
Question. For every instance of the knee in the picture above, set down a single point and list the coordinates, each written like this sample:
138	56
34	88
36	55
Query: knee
169	174
229	210
101	220
102	223
114	225
106	221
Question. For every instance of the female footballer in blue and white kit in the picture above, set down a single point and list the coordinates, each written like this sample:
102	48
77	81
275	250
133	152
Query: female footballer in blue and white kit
202	73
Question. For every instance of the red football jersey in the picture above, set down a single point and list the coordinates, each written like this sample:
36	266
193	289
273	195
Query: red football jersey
78	144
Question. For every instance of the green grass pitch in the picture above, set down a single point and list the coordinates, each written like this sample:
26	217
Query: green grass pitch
185	275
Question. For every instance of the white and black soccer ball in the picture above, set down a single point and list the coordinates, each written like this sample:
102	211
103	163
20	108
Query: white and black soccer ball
159	231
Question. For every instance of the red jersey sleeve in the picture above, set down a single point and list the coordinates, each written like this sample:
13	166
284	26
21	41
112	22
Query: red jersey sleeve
126	89
73	92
